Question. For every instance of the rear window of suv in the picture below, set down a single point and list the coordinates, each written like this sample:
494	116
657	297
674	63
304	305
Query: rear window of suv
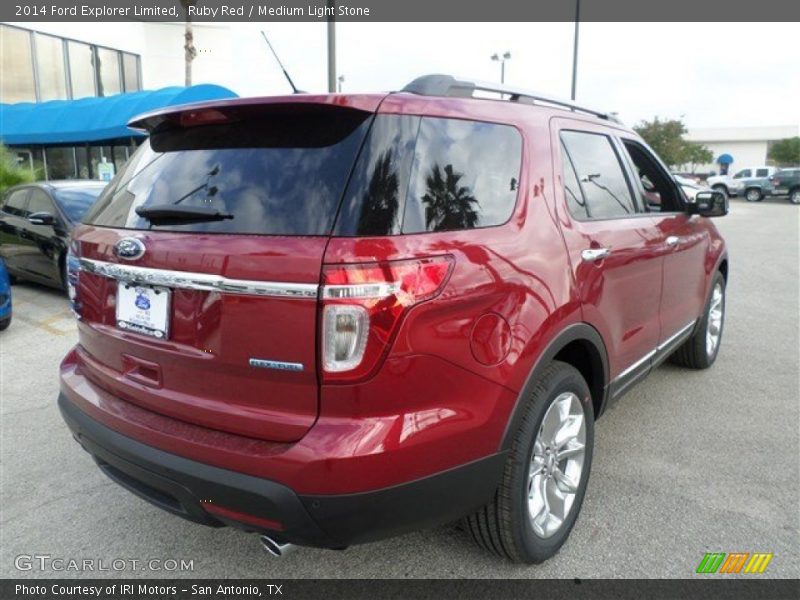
282	172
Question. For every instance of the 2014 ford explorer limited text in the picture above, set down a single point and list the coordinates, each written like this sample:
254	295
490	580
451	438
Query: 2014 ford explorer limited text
333	319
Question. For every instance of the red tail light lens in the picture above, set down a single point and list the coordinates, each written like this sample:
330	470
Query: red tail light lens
363	305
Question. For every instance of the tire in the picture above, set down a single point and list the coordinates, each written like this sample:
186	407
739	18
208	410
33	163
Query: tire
696	352
505	526
4	323
794	196
721	188
753	195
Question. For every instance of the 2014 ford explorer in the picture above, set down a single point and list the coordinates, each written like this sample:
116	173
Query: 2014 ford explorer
330	319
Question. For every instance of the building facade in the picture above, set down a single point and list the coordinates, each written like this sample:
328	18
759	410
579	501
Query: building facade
747	146
69	61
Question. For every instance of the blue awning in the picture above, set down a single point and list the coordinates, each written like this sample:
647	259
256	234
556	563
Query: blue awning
725	159
93	119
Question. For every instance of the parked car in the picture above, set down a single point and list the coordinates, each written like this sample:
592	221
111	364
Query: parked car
331	319
736	184
35	222
5	297
690	187
786	182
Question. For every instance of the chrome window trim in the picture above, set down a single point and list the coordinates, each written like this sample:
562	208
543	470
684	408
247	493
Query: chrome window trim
197	281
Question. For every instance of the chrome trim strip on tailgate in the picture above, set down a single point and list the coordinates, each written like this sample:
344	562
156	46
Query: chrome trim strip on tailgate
197	281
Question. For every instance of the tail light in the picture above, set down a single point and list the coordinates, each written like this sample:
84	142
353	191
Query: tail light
363	305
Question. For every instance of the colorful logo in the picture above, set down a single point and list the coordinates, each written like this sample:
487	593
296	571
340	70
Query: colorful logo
735	562
142	301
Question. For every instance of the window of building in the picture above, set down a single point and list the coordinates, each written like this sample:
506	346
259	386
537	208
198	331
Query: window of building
50	68
16	64
130	72
600	173
60	162
109	80
81	69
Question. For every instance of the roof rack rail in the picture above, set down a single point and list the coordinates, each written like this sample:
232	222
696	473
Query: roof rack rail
449	86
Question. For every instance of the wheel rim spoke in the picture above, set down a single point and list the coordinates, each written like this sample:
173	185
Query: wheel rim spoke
714	320
556	464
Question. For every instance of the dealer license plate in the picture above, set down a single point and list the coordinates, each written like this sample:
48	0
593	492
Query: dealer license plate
143	309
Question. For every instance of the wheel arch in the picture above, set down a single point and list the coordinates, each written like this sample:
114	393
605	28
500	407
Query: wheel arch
579	345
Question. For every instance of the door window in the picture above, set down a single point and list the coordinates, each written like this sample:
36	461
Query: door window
762	172
572	189
744	173
16	203
40	202
658	189
600	174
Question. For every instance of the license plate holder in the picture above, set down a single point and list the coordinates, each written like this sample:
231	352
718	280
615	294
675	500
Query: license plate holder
143	309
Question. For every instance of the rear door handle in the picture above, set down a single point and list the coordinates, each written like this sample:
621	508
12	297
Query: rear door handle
593	254
673	240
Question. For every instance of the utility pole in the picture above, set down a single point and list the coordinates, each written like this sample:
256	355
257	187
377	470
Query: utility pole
575	49
331	46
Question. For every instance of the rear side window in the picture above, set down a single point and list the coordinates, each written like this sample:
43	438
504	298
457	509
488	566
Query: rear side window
572	189
605	187
762	172
16	202
280	172
424	174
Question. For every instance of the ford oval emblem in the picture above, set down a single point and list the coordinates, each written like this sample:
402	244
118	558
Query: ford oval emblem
129	248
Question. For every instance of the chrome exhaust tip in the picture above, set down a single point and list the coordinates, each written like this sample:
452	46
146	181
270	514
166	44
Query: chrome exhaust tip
275	548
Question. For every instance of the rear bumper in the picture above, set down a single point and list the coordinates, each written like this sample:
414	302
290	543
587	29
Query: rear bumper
189	489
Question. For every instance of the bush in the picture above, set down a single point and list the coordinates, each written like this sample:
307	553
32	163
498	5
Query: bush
11	173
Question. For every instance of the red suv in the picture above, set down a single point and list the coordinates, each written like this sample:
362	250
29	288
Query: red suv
331	319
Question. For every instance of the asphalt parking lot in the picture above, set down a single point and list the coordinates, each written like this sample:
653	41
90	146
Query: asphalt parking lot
687	463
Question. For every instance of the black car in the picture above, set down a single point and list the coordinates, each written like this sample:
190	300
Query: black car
35	222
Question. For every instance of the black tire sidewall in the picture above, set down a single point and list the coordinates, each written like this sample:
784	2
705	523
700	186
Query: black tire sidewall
532	547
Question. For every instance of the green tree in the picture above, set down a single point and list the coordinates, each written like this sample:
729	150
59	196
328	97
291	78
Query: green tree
697	154
11	173
666	138
786	152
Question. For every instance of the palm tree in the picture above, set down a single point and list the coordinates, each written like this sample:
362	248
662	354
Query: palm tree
189	50
448	205
380	205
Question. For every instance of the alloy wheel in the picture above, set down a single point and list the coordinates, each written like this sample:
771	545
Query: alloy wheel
715	315
556	464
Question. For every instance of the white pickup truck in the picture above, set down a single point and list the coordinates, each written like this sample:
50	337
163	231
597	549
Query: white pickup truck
735	184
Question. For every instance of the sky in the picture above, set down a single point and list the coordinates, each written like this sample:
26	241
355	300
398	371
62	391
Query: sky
708	74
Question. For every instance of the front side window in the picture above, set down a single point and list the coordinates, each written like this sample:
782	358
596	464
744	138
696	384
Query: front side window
40	202
742	174
600	173
657	187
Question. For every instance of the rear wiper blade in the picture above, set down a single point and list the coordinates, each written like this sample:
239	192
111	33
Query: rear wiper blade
172	214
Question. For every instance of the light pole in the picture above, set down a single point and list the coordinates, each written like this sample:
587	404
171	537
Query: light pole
502	59
331	46
340	80
575	49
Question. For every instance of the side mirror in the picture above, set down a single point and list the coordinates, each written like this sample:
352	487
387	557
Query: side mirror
709	203
41	218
